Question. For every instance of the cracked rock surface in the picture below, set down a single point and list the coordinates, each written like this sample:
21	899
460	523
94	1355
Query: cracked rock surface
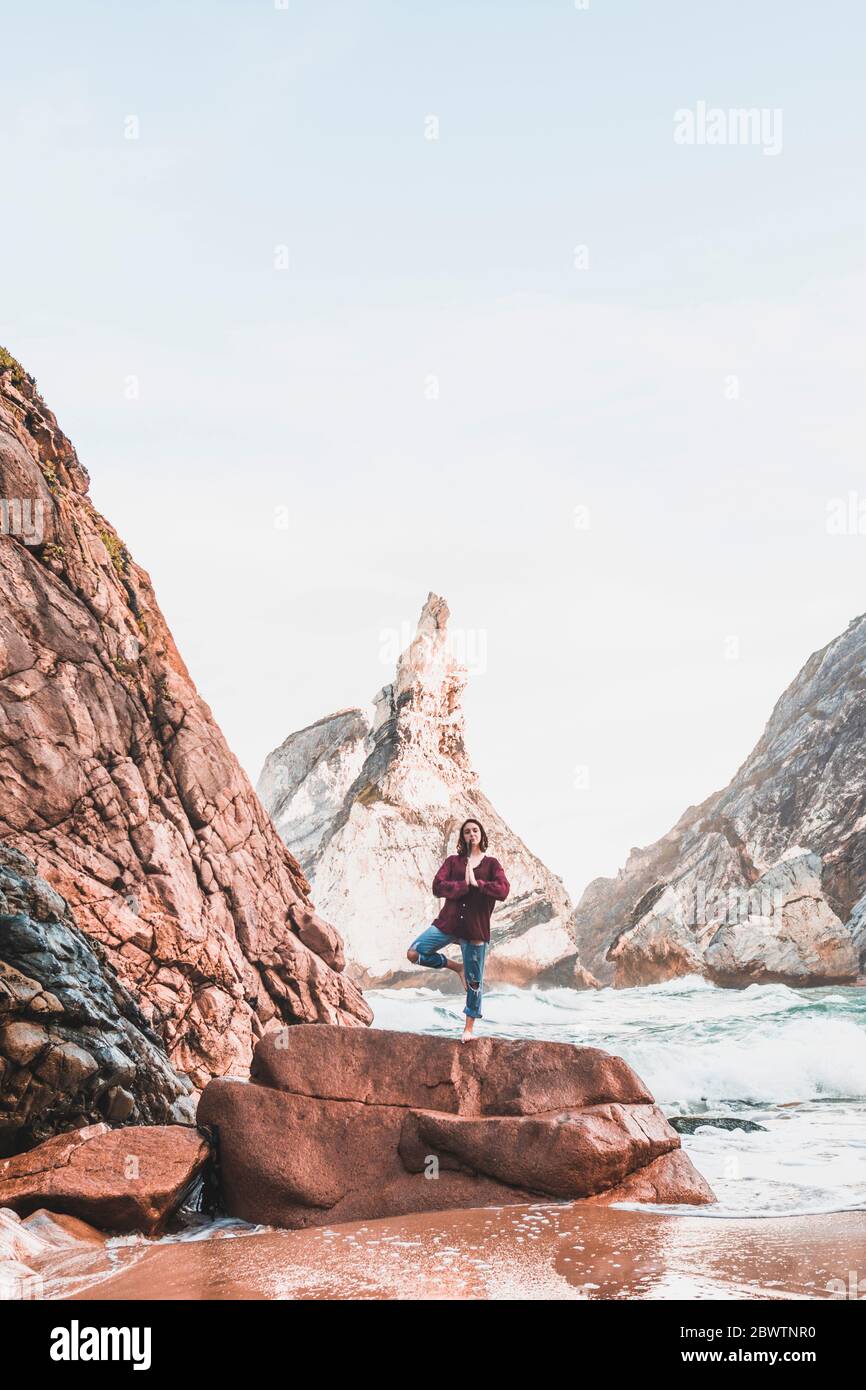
114	1179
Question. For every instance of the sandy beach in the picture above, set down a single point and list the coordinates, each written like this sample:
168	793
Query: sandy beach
540	1251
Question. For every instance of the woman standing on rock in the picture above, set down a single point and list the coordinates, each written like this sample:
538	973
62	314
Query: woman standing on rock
471	882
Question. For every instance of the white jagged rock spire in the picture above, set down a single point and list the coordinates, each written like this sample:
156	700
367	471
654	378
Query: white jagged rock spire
371	808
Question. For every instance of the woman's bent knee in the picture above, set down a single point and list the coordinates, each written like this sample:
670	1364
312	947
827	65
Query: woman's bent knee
412	955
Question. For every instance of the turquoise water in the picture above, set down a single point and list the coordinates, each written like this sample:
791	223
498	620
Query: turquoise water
792	1060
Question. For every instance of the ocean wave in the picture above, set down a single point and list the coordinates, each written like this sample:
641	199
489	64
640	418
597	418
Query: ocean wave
800	1059
691	1042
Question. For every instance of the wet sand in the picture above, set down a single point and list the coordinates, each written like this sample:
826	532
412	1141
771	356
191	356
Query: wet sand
543	1251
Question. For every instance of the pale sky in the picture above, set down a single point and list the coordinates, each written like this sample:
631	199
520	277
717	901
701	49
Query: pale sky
692	379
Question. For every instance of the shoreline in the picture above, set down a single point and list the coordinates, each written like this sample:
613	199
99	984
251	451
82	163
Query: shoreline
539	1251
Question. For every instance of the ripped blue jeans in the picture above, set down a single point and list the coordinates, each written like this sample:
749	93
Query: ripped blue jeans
428	946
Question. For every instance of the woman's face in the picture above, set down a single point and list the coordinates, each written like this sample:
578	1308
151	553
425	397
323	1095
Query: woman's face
472	834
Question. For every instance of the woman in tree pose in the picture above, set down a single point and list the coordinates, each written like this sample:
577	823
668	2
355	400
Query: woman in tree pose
470	881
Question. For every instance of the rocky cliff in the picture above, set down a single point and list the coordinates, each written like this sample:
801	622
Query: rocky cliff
374	806
115	779
766	880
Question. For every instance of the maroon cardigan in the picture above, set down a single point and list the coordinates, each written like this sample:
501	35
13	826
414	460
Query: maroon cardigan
466	914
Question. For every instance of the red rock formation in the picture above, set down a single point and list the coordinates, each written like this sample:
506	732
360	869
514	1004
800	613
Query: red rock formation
342	1126
494	1076
115	779
116	1179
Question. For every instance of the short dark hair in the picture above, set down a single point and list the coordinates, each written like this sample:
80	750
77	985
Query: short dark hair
462	847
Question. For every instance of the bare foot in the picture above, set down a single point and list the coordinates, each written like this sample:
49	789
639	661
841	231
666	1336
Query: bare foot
457	967
467	1030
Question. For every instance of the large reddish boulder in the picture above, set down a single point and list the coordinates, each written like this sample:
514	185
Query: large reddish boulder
117	782
341	1125
492	1076
128	1179
663	1180
573	1152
